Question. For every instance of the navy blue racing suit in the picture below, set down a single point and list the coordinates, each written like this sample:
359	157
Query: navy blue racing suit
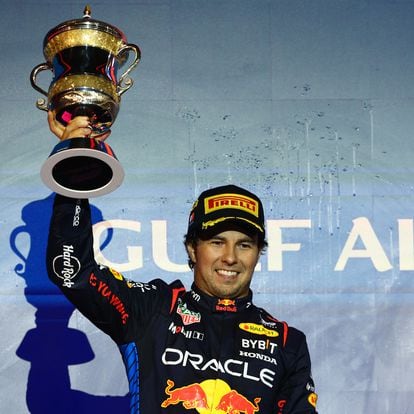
183	350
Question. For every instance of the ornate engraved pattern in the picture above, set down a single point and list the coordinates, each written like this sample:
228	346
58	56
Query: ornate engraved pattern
82	37
84	82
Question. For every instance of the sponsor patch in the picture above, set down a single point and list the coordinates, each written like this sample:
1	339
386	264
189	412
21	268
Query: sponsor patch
145	287
310	387
184	331
211	395
254	328
187	315
259	344
66	266
116	274
226	305
267	320
233	367
107	293
313	398
259	356
223	201
195	296
280	405
76	216
226	302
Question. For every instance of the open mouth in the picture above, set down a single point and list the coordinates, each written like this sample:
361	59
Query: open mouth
227	274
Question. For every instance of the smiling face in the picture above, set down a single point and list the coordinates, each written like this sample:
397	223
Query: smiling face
224	264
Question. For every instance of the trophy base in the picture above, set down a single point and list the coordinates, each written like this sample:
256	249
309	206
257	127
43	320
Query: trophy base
82	168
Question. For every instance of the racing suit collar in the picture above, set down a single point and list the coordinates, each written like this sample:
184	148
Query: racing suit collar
216	304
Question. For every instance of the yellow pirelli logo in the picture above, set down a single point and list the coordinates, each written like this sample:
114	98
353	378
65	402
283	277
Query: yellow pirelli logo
223	201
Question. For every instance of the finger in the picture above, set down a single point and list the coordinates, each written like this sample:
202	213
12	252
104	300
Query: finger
78	127
82	132
55	127
78	122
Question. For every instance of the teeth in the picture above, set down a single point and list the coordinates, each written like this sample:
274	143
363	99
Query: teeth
227	272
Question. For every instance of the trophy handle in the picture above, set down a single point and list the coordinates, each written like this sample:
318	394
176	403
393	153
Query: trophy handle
19	268
124	83
41	103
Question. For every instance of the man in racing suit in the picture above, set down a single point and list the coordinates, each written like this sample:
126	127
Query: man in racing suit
206	350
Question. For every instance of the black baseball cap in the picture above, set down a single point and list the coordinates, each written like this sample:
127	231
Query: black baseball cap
218	206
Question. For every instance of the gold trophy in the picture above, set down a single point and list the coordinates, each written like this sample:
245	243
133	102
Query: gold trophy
84	56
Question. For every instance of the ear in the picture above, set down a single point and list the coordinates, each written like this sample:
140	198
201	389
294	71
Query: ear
191	251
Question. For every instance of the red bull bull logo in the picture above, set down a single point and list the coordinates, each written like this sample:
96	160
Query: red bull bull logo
235	403
226	302
191	396
226	305
210	396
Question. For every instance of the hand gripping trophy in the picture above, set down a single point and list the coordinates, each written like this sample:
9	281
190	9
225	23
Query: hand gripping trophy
84	55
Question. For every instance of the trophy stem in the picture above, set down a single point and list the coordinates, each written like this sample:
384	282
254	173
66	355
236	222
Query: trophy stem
82	168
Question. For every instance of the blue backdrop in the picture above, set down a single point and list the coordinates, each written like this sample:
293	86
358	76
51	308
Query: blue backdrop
307	103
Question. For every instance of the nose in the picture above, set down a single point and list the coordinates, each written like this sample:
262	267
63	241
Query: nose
229	254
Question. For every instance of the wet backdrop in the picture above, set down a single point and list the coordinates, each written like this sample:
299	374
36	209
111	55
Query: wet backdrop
307	103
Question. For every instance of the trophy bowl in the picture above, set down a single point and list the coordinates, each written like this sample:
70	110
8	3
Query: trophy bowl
84	56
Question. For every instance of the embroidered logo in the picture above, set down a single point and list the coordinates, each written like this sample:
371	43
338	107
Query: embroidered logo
187	315
257	329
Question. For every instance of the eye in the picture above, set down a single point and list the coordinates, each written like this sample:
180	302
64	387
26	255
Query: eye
216	242
246	245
